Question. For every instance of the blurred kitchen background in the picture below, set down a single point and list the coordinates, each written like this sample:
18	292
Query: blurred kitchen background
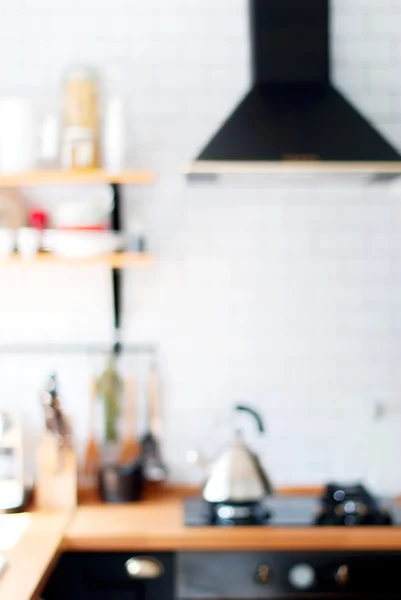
284	293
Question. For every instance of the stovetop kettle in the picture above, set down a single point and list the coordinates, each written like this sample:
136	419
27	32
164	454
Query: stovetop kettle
236	476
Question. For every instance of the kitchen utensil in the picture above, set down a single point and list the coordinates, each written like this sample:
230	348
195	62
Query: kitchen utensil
56	422
121	483
236	476
56	485
130	448
92	453
110	387
154	468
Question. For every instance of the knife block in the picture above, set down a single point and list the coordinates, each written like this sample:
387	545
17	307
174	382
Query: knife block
57	475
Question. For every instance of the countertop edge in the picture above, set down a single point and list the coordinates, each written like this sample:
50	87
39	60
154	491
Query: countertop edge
246	539
31	560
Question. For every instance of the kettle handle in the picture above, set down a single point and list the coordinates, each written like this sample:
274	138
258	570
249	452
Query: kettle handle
256	416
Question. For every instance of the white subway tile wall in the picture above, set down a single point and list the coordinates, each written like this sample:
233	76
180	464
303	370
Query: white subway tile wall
284	294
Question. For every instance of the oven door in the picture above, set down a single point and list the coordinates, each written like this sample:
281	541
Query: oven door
288	575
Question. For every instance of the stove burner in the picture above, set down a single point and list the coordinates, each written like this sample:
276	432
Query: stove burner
228	515
341	505
350	505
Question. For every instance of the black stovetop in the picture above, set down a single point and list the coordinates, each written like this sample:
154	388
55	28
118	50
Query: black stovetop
282	511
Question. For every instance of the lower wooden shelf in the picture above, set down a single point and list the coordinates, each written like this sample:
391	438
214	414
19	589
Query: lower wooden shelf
117	260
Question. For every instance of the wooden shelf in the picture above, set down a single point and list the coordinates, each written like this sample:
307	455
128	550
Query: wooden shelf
117	260
59	177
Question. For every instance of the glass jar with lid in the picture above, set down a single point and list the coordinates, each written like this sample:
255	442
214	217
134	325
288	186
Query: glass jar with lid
80	120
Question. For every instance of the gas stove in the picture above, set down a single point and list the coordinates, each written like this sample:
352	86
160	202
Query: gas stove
293	574
339	505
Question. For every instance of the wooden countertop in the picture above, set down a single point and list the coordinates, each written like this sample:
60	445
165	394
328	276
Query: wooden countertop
33	541
157	525
30	542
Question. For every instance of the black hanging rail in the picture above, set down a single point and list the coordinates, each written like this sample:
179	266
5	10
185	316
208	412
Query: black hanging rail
75	349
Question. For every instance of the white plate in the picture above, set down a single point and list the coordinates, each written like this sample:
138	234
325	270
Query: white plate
84	210
82	244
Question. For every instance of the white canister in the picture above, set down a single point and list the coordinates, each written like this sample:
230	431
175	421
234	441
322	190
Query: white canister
115	128
7	242
28	241
17	135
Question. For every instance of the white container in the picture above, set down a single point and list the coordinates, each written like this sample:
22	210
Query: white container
7	242
115	139
49	140
28	242
84	212
80	130
81	244
17	135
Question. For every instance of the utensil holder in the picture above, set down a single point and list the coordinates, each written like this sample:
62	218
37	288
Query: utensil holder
121	483
57	475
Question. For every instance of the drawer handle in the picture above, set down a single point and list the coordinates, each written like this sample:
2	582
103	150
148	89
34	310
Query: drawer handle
144	567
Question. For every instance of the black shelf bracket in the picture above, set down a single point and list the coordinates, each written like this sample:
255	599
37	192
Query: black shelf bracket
116	273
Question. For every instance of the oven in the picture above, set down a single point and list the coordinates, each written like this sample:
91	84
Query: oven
288	575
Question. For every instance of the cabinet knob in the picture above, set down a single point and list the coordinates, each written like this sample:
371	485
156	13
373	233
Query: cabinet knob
302	576
144	567
263	574
342	575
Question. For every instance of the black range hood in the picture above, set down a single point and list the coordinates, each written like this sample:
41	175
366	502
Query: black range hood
293	119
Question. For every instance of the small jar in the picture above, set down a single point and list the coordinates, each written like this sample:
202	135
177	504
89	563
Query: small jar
81	124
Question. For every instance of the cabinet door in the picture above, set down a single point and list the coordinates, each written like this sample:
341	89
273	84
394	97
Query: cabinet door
133	576
112	576
110	594
63	583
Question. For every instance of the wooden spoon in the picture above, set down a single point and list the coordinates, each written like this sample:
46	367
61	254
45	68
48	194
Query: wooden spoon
130	447
92	453
154	467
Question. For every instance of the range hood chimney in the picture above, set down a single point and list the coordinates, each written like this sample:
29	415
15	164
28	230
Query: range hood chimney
293	119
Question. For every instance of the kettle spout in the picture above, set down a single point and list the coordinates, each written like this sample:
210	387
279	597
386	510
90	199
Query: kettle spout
194	458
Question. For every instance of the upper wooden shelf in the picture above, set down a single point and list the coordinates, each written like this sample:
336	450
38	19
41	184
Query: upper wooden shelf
116	260
59	177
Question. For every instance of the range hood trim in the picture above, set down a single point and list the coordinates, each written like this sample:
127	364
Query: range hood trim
204	167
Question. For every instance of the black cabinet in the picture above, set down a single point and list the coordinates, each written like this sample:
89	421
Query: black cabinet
112	576
63	582
110	594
